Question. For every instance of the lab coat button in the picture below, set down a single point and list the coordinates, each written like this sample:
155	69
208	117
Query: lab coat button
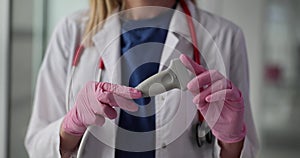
162	98
164	146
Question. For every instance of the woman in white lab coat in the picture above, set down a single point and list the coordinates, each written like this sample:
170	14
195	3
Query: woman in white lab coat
51	132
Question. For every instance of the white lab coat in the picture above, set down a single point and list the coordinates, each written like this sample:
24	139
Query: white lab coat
222	47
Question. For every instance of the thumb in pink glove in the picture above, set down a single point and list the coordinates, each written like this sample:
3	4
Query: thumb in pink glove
95	102
219	101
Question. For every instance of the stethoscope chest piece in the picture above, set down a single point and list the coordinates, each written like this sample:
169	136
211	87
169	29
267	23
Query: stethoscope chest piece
203	134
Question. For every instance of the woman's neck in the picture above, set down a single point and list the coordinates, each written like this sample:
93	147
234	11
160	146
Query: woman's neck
137	12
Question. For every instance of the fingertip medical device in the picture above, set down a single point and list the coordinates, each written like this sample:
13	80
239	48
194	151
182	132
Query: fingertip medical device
175	76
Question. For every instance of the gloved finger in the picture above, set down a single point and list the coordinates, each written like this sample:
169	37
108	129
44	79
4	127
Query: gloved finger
104	110
199	100
126	92
215	87
118	101
191	65
107	98
124	103
204	79
194	93
109	112
233	95
202	105
211	89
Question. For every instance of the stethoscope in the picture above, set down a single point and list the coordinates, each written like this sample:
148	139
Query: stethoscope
203	133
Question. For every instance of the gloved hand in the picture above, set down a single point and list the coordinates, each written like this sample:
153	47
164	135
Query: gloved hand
219	101
94	102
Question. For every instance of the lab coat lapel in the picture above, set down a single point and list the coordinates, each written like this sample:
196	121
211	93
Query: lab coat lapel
177	43
178	33
107	43
168	50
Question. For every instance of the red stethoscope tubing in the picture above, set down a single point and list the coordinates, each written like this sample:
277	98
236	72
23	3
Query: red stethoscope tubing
196	52
192	31
194	40
78	54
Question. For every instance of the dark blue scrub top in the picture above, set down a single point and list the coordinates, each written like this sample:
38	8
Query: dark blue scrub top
142	43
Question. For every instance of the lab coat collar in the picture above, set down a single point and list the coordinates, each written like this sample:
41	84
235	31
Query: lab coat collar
110	31
179	24
178	29
107	43
107	40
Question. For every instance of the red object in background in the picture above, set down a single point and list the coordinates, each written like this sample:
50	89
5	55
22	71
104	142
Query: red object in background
273	73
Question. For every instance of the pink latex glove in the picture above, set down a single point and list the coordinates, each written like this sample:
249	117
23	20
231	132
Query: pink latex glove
219	101
94	102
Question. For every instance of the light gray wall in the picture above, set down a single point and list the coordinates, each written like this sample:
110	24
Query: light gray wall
22	23
20	75
57	9
3	71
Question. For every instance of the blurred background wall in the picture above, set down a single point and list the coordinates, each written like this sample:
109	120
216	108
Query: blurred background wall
272	34
4	29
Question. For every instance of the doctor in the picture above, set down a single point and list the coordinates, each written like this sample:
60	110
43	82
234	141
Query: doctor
106	117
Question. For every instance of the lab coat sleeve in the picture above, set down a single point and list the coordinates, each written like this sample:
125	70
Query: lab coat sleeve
42	138
239	75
